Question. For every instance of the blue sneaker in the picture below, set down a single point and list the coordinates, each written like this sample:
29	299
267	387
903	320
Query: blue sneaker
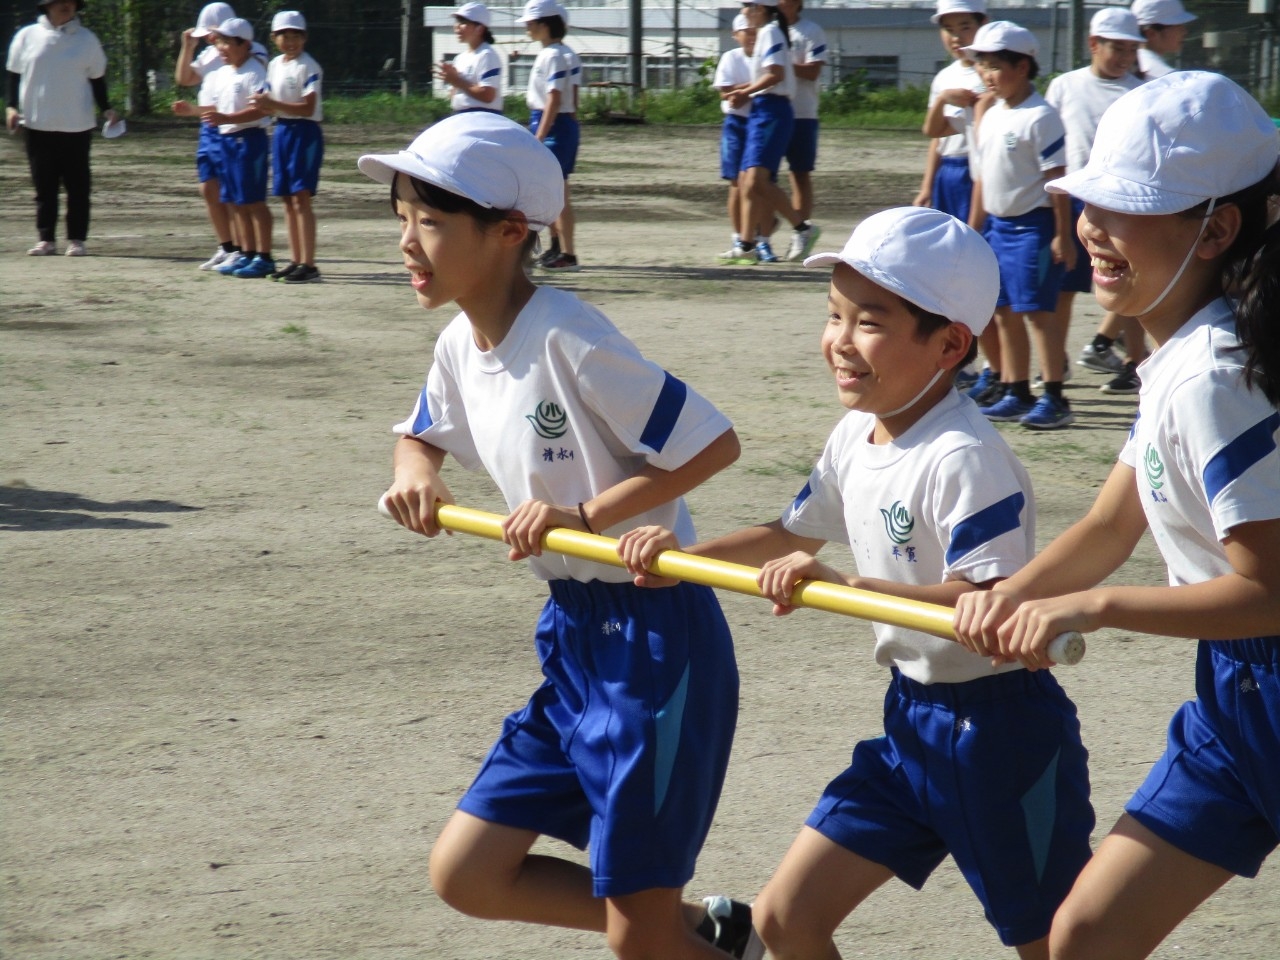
764	252
1049	413
986	380
259	266
965	378
233	260
1008	407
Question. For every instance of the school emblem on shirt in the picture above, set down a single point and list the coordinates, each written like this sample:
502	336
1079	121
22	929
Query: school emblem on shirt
549	421
898	522
1011	141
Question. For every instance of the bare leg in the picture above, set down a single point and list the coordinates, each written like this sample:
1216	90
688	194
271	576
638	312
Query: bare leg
989	344
735	206
1130	896
261	224
802	194
654	925
816	886
1015	346
219	216
764	198
1051	342
566	223
292	227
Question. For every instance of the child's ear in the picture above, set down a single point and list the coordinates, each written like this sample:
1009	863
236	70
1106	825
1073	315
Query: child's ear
514	229
1220	232
956	338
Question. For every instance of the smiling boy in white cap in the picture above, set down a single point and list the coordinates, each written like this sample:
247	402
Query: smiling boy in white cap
933	504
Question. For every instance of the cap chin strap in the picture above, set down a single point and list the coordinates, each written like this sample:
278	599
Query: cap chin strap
1185	261
914	400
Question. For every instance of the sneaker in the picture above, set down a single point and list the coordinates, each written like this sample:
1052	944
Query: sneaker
259	266
219	257
802	242
965	378
727	927
1009	407
978	390
743	256
75	248
1102	360
284	271
44	248
233	260
563	263
1049	413
734	253
303	274
1127	382
764	252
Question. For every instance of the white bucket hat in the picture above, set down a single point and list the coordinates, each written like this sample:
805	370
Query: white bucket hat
235	27
1116	23
210	16
475	12
484	157
288	20
1173	143
740	22
1004	35
1165	13
946	7
927	257
538	10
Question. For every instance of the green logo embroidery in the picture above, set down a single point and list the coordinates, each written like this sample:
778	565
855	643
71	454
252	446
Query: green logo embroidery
1154	466
549	421
898	522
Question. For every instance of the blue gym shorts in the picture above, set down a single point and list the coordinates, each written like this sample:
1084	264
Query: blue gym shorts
802	151
245	156
768	132
733	140
992	771
1215	793
1029	279
296	154
1079	279
623	748
562	140
953	187
209	153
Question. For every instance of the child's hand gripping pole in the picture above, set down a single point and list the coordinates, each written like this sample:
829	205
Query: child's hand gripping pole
1067	649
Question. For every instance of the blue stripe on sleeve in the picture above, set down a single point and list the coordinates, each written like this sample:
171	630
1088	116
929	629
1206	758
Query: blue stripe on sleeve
805	493
490	73
666	411
772	50
422	416
1052	148
1239	455
818	50
312	79
557	76
985	525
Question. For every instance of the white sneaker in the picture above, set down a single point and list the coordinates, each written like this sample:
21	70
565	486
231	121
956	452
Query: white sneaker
44	248
75	248
802	242
219	257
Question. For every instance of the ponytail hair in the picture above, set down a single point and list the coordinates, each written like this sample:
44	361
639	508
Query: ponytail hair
488	36
1251	276
775	16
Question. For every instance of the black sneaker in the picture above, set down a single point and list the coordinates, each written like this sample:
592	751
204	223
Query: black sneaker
283	271
562	263
547	256
302	273
1128	382
727	927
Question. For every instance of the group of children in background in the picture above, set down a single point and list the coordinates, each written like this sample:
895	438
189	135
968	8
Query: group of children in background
239	96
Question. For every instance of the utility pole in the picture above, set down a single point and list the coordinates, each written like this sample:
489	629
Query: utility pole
406	8
675	44
637	46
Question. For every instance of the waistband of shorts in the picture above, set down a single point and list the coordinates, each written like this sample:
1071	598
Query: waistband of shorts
770	96
1260	650
293	121
249	132
572	594
955	160
998	686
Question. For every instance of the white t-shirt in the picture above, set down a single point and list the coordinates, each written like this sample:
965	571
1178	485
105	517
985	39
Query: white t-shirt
563	408
551	71
957	75
292	80
1203	447
483	66
233	86
1081	97
56	65
733	69
771	51
207	62
575	71
1150	65
808	45
1016	147
946	500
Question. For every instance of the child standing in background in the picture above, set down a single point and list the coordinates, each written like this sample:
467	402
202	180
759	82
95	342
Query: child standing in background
475	75
293	97
733	69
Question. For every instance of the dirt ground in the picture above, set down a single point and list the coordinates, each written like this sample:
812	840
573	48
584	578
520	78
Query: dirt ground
238	705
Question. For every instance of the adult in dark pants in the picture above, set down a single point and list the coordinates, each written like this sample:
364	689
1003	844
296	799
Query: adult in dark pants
56	73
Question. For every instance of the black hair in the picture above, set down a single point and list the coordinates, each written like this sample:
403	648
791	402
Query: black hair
555	26
928	324
446	201
775	16
1251	276
488	34
41	4
1013	58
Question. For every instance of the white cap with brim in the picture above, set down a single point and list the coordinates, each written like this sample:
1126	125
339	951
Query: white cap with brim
1116	23
740	22
1165	13
211	15
927	257
538	10
235	27
475	12
1001	35
948	7
484	157
288	20
1174	143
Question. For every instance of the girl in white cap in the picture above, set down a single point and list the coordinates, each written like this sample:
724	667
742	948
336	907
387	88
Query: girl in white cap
1164	27
623	749
1176	197
475	74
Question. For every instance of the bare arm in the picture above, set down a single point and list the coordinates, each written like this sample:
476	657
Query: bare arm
809	71
1062	246
183	74
924	197
417	486
285	108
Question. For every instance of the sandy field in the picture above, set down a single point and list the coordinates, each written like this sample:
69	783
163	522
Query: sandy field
238	705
